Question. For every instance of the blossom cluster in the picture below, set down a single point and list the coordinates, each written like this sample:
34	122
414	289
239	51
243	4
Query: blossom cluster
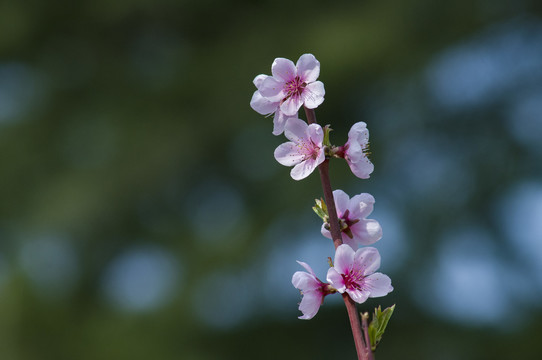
354	269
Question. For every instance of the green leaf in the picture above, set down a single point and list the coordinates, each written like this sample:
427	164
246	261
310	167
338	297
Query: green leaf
321	209
327	130
378	325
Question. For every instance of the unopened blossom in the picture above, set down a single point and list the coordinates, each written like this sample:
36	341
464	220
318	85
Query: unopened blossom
290	86
312	289
355	228
354	272
305	151
265	106
356	149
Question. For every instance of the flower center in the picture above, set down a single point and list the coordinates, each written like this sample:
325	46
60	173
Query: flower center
345	222
308	148
294	87
353	280
367	149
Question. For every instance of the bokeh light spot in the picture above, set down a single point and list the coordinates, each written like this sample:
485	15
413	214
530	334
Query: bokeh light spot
141	278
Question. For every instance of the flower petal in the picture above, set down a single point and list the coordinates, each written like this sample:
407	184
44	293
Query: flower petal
313	94
342	200
361	205
258	80
325	232
378	285
263	105
352	242
366	231
344	258
362	169
291	105
354	152
295	130
287	154
283	70
310	304
358	296
359	133
272	89
308	68
279	121
305	281
316	134
305	168
336	280
367	260
307	267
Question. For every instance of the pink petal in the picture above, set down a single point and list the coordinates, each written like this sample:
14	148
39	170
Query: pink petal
367	260
305	168
358	133
321	157
310	304
272	89
336	280
358	296
295	130
344	258
258	80
308	68
354	152
378	285
341	201
307	267
362	168
279	121
291	105
305	281
262	105
313	94
325	232
361	205
366	232
316	134
288	154
350	242
283	70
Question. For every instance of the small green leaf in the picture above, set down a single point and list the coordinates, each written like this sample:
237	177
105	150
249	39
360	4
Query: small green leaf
322	204
378	325
327	130
321	209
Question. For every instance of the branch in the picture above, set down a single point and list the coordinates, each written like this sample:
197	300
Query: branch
363	350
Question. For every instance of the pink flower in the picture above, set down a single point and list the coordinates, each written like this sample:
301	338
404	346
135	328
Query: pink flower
292	86
312	289
355	228
356	150
354	273
305	150
265	106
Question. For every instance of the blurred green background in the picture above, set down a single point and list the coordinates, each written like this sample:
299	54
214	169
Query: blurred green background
142	214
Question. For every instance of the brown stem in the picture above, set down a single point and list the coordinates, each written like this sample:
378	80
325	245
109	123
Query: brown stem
365	327
363	350
311	116
335	230
353	316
